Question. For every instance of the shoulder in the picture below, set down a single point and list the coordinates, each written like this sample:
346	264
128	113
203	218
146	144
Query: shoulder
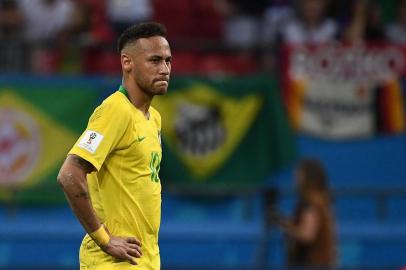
117	102
114	106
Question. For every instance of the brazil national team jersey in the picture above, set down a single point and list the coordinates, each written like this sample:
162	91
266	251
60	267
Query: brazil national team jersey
125	148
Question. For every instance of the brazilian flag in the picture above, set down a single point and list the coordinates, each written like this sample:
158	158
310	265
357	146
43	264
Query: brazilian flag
40	120
228	133
222	133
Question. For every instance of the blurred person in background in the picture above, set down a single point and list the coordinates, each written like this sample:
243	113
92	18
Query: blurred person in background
14	50
46	26
279	13
308	23
92	38
110	177
123	13
396	31
242	21
374	26
311	232
46	19
366	24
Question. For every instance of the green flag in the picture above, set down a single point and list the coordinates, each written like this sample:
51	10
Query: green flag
227	133
39	121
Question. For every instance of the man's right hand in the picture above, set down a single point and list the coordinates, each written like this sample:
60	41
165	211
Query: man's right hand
123	248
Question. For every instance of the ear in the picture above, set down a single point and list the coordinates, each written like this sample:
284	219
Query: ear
126	62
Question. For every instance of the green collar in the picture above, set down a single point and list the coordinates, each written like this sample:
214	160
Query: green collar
124	91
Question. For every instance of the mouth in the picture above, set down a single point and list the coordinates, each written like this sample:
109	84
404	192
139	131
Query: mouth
162	81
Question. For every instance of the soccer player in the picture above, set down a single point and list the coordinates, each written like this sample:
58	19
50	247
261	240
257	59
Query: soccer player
110	177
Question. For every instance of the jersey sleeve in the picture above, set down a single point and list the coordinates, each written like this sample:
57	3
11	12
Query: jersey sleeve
104	132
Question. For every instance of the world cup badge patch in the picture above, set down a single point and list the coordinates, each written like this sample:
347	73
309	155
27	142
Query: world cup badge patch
90	141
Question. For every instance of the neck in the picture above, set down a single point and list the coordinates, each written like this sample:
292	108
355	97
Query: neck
137	97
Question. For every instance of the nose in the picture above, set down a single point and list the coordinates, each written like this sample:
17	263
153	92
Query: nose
165	68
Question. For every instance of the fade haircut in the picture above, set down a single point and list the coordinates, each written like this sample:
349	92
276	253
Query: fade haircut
141	30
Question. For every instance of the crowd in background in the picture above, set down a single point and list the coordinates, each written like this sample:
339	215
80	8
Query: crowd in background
78	36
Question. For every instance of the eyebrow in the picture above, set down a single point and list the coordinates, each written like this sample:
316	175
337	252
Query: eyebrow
159	57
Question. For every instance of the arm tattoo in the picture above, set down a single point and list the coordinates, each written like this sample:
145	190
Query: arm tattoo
83	164
83	195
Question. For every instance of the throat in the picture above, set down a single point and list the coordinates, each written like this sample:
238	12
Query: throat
143	108
140	102
146	114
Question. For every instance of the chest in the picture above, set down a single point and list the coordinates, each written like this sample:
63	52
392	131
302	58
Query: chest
142	145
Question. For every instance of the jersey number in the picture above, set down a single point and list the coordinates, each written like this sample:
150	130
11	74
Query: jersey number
154	165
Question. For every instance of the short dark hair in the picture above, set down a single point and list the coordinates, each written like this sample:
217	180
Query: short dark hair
141	30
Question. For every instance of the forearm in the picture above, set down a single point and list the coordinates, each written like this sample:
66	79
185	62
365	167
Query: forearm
74	185
72	178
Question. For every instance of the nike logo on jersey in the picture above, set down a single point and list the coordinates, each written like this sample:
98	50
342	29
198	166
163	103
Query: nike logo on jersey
140	139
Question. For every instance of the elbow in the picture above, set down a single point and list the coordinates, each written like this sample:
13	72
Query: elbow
61	179
69	179
65	179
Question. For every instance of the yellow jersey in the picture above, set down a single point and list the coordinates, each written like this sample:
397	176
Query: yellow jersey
125	148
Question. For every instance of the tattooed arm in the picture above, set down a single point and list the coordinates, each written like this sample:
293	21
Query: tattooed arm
72	178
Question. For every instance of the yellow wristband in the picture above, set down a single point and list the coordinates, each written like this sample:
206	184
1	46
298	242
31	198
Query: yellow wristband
100	236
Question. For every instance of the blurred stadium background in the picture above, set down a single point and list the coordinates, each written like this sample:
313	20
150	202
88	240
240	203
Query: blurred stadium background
256	86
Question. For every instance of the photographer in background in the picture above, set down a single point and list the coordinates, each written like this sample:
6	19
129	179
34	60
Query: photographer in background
311	231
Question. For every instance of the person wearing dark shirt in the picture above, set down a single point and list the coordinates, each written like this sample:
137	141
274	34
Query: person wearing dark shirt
311	231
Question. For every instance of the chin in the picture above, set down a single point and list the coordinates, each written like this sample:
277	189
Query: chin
161	91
